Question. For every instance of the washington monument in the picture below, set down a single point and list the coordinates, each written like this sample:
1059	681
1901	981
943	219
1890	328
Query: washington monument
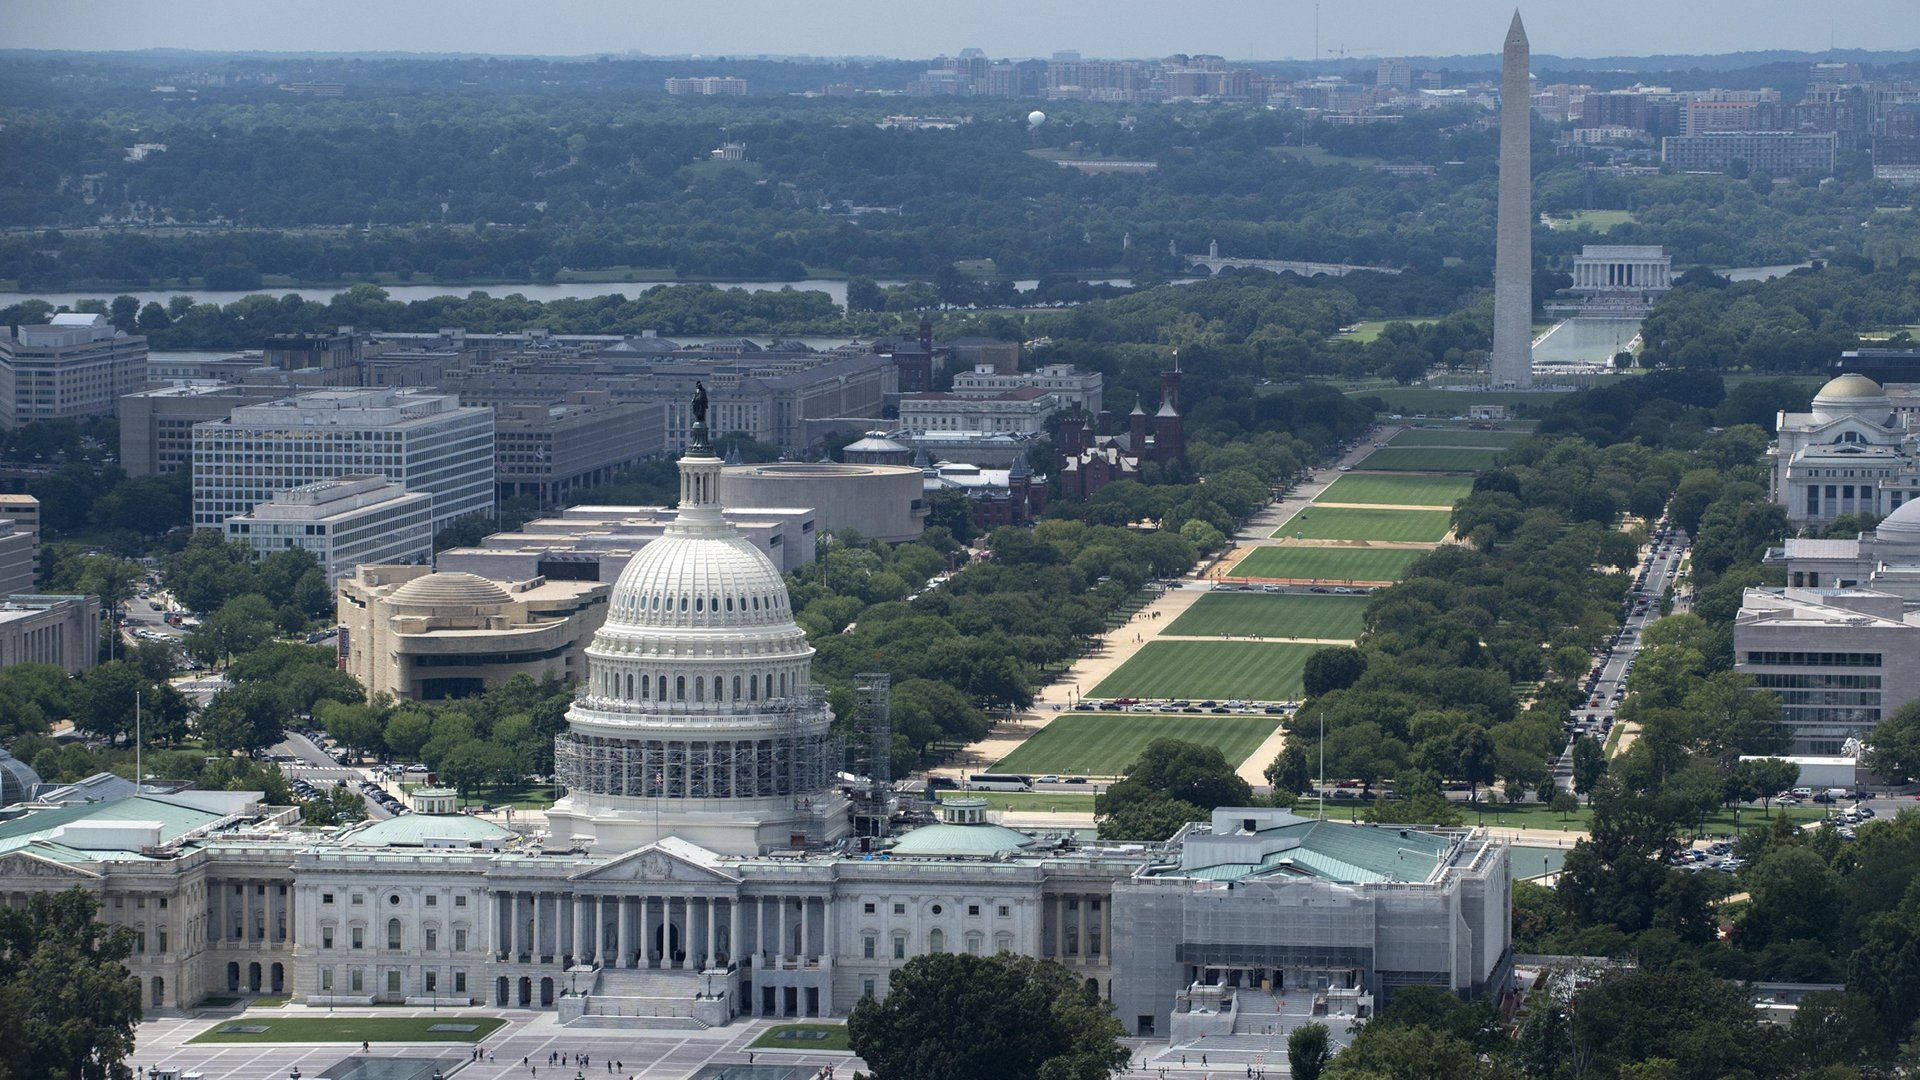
1513	229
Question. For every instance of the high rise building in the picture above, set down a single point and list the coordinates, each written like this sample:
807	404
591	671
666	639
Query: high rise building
425	442
1513	235
74	367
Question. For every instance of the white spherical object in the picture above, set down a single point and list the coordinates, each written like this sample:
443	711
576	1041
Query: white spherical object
1036	118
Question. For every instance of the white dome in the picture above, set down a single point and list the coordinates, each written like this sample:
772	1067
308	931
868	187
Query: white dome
699	581
1902	524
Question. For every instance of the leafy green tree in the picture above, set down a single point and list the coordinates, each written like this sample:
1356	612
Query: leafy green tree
1893	746
244	718
952	1016
1307	1051
1288	771
1837	1028
1543	1046
1399	1052
1333	668
1885	968
1707	1026
67	1003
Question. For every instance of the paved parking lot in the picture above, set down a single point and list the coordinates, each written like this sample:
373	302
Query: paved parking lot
652	1054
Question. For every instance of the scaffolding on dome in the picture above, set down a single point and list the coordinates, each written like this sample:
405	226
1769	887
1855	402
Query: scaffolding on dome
798	763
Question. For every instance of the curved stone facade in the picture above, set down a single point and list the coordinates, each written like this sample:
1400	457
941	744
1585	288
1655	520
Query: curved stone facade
881	502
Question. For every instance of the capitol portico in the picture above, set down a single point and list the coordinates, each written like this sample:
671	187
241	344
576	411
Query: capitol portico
700	866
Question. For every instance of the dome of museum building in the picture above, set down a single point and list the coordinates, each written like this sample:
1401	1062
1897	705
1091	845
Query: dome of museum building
1853	395
449	589
1903	524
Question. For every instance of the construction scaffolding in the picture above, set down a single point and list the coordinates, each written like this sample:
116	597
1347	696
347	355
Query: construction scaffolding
871	751
798	763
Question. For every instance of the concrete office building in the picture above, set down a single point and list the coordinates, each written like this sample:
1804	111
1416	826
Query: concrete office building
422	635
427	443
1512	360
156	425
19	543
19	558
1839	659
345	522
1072	388
74	367
1013	412
25	512
54	629
880	502
594	543
549	451
1781	153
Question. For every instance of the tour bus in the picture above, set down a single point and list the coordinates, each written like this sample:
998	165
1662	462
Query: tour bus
988	781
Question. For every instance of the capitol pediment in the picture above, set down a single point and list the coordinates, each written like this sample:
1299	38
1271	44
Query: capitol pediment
666	861
25	864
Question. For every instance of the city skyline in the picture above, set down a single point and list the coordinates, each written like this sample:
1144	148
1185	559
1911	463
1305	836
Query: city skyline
1297	30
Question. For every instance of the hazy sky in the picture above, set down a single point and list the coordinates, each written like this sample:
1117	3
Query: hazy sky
1242	29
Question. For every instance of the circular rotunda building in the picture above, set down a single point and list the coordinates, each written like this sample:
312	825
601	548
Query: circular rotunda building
698	718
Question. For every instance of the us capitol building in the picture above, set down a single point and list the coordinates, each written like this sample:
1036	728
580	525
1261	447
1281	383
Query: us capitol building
701	865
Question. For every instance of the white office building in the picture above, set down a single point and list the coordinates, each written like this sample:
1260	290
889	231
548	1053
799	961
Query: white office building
1071	387
74	367
426	442
346	522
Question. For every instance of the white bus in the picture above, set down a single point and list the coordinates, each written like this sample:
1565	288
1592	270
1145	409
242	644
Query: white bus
987	781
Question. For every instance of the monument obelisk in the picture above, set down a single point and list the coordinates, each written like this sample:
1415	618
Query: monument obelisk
1513	228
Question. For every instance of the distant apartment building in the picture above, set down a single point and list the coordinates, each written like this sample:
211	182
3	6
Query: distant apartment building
345	522
547	451
707	86
332	359
1651	110
1732	110
1394	73
156	425
1781	153
74	367
425	442
1072	387
1016	412
60	630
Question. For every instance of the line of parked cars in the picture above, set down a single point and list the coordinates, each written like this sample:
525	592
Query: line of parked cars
1136	705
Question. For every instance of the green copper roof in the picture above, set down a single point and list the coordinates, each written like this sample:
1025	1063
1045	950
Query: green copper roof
1348	854
414	830
30	830
945	839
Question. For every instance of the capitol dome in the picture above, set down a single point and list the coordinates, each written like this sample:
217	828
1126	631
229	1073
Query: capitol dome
698	717
700	580
449	589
